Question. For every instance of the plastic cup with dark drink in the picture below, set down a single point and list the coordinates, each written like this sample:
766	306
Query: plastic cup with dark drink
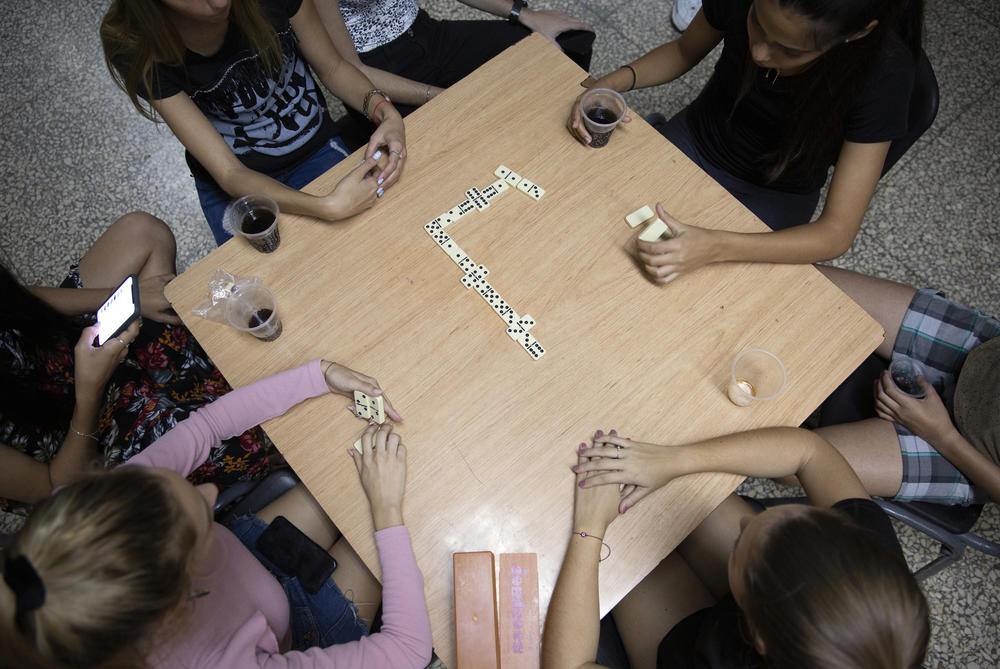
904	373
253	309
602	109
256	218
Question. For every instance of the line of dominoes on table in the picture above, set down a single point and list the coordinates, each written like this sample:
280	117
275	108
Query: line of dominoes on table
475	274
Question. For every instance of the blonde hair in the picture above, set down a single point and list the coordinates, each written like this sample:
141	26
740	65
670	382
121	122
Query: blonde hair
821	592
138	34
113	552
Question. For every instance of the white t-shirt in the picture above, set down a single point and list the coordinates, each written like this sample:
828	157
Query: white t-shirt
373	23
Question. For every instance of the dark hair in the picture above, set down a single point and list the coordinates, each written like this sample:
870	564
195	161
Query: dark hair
137	34
44	332
114	553
822	593
839	74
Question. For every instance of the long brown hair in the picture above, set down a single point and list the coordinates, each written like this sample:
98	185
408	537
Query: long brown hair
834	80
114	553
823	593
136	34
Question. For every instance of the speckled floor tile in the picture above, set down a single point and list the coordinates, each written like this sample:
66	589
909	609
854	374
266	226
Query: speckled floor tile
987	10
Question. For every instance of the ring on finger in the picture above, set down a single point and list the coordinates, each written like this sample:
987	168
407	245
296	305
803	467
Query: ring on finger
401	156
123	342
619	456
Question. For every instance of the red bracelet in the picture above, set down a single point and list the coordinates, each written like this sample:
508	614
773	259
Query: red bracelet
384	100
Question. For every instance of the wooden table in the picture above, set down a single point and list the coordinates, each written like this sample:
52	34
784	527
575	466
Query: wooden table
492	433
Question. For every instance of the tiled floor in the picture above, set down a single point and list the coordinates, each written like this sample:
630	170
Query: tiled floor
76	155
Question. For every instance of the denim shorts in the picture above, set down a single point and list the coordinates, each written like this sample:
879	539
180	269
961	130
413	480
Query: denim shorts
214	200
318	621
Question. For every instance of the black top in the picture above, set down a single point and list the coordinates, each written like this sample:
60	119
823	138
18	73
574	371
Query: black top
713	638
272	122
746	142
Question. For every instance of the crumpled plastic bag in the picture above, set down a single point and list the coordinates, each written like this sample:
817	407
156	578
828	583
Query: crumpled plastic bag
221	286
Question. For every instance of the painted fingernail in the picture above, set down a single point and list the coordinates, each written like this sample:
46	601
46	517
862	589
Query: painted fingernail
575	468
376	155
378	193
380	180
624	509
613	432
583	484
600	433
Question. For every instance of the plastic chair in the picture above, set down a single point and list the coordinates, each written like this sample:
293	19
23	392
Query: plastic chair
247	497
924	101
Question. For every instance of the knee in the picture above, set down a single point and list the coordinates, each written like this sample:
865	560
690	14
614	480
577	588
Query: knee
145	230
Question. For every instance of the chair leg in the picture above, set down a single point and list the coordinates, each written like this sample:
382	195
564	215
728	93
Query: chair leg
947	556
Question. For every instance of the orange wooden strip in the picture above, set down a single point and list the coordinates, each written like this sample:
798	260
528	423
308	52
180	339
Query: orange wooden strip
519	611
475	611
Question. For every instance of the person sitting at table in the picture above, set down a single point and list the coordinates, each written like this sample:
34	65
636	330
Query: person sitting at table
798	87
231	81
413	57
63	406
793	586
945	447
196	593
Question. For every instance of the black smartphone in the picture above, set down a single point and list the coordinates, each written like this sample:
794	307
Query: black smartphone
291	551
119	311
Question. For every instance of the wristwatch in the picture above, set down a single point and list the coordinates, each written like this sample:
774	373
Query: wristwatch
515	11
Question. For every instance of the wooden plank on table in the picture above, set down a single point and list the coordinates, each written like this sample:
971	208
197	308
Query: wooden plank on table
475	611
519	622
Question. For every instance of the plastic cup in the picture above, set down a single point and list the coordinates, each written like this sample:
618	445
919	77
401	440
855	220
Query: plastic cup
756	376
253	309
904	373
256	218
602	109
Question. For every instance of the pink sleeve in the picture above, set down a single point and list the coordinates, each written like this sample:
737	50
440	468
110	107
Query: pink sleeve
405	639
187	445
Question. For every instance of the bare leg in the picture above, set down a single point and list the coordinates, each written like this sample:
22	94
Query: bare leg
302	510
871	447
885	301
668	595
137	243
693	577
355	581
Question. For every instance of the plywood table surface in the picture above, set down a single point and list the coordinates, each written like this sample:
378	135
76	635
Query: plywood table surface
491	433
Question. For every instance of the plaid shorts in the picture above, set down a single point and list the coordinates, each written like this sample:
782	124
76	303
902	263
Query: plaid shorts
939	334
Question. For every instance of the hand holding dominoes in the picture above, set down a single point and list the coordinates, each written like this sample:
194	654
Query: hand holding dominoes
667	248
349	383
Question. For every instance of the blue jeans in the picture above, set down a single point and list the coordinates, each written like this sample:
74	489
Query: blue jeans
318	621
214	200
777	209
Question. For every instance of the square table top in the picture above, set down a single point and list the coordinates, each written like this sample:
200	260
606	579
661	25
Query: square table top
491	433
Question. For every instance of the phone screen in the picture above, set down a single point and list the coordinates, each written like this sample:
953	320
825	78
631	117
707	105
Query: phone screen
115	314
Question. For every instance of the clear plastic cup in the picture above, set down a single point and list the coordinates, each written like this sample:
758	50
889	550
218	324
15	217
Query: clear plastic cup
256	218
602	109
756	376
254	309
904	373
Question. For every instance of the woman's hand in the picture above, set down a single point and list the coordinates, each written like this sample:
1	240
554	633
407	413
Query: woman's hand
382	467
594	506
925	417
641	467
94	365
688	249
355	192
577	127
153	302
390	136
345	381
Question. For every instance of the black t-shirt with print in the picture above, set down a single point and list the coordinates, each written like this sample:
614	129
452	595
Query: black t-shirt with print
745	141
272	122
713	638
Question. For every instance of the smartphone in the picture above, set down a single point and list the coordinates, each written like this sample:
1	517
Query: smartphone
291	551
118	312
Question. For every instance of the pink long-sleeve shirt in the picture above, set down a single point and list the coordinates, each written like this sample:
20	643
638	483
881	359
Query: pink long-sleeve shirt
240	622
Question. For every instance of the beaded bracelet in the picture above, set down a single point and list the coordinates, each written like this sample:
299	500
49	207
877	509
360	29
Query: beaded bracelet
368	98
